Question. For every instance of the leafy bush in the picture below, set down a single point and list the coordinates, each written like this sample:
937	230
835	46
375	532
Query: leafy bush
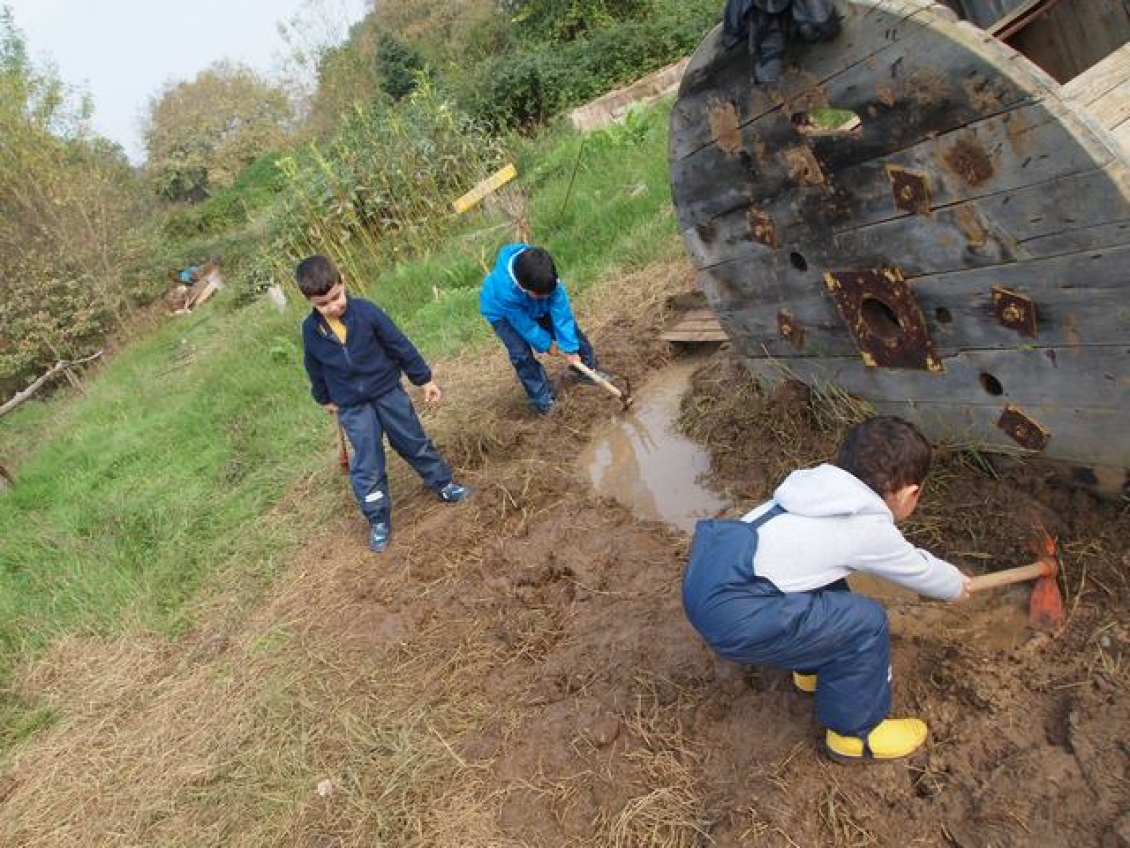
400	66
69	204
254	188
520	89
386	179
199	135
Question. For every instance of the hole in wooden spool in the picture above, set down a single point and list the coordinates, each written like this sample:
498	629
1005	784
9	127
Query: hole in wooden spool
799	262
990	384
943	315
880	318
826	121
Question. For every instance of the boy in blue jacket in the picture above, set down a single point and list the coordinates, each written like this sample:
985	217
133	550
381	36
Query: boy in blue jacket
354	355
771	588
526	305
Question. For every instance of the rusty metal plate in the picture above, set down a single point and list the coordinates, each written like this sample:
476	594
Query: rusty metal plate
911	190
1015	311
761	227
883	318
1023	430
791	329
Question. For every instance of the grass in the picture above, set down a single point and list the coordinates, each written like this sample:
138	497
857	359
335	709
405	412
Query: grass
171	469
155	480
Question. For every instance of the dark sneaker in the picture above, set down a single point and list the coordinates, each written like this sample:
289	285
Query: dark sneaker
378	537
547	409
452	492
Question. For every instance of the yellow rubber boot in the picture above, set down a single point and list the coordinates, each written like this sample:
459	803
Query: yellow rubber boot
804	682
889	740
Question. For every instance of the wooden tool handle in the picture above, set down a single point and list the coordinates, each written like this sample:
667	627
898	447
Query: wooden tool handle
342	451
1010	575
596	378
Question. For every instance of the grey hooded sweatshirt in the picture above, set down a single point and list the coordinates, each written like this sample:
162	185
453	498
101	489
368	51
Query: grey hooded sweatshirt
835	524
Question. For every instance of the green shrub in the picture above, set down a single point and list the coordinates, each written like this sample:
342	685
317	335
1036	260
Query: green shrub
400	66
254	188
523	88
386	179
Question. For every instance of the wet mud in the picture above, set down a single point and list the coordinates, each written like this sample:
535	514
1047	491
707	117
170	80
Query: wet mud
517	670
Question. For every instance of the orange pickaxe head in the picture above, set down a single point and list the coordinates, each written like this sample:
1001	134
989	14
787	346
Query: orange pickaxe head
1045	607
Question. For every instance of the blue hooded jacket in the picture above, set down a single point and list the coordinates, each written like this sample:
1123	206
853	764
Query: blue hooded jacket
370	362
502	297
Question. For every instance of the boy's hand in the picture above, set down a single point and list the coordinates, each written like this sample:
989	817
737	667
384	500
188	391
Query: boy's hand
571	358
330	407
432	392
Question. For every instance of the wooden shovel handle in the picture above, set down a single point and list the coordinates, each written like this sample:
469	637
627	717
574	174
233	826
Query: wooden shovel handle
342	451
1009	576
600	381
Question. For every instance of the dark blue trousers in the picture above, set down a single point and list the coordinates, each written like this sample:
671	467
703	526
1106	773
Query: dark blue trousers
530	372
841	636
366	425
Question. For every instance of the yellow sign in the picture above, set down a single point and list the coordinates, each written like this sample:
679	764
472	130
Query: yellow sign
491	184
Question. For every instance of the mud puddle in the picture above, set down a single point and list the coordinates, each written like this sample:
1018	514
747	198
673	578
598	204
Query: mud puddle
641	459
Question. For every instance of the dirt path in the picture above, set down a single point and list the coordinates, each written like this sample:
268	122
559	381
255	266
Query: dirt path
517	670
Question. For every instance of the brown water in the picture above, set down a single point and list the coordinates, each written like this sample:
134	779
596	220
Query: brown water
641	460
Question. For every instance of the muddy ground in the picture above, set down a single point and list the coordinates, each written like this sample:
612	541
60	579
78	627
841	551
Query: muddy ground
516	670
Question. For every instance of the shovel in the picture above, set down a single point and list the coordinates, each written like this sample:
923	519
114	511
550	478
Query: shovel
342	450
1045	607
625	397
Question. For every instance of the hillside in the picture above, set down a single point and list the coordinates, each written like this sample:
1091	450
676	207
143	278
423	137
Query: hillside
198	649
516	670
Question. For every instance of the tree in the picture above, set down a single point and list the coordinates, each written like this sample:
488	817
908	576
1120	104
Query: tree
400	66
570	19
68	203
200	134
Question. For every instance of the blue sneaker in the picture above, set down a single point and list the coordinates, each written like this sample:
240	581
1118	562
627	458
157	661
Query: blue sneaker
452	492
378	538
547	409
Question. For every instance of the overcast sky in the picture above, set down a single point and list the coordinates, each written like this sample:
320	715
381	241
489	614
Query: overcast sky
123	51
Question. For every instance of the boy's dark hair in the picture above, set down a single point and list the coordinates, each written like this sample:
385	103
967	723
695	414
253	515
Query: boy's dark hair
535	272
886	453
316	275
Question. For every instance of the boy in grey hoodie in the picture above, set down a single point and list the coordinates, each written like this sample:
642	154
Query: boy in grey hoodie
771	588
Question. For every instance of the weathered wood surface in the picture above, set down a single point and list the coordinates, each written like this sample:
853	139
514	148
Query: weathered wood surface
1071	35
695	325
1104	92
971	172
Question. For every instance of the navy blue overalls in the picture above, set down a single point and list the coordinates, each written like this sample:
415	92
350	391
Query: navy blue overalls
841	636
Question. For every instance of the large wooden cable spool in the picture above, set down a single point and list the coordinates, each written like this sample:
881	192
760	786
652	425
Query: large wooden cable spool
960	258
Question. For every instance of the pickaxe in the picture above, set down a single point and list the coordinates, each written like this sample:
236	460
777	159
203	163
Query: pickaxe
625	397
1045	607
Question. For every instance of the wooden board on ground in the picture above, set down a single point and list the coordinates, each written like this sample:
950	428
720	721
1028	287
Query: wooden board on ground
696	325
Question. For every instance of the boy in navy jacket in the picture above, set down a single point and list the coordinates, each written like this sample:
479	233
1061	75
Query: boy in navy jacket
527	307
354	355
771	589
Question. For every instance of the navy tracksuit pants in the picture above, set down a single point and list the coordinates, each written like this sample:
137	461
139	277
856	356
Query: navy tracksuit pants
366	425
841	636
530	372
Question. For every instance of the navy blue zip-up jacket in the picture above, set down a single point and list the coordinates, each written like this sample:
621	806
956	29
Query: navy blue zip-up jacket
370	362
